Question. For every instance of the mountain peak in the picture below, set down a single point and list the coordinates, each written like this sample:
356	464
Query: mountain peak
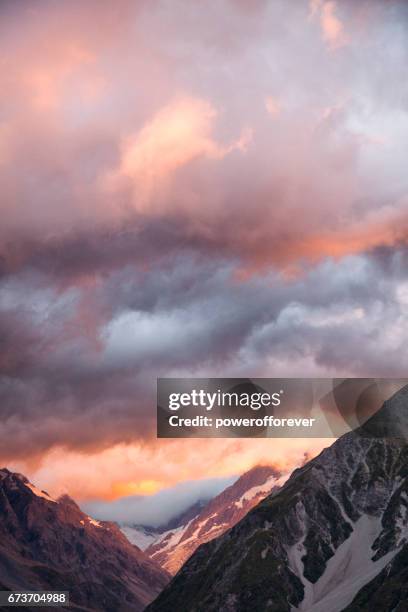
259	473
391	421
16	481
67	500
6	473
222	512
340	522
45	543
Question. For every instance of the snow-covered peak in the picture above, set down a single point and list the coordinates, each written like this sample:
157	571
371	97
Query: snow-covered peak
172	548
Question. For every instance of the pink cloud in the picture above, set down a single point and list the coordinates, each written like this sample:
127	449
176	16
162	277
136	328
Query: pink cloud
332	27
272	105
140	120
177	134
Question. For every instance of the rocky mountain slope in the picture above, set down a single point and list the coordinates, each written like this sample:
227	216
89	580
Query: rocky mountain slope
50	544
333	538
173	547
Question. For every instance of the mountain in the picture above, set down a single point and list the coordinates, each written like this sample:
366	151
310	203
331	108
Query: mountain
186	516
173	547
50	544
333	538
144	535
139	535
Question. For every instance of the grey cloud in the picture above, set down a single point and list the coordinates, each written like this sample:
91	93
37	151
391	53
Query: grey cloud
192	317
158	509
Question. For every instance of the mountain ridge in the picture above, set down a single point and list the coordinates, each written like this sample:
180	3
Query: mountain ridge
174	547
49	544
297	546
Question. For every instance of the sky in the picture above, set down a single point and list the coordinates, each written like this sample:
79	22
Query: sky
192	189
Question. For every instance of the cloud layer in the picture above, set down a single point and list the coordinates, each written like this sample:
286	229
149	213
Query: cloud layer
156	510
189	192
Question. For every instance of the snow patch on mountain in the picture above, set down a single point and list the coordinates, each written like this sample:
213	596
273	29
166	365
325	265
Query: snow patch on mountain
139	536
265	487
333	537
171	538
347	571
295	554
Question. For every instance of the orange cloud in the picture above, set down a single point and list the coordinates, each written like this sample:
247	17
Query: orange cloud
142	487
386	228
179	133
115	162
332	27
272	105
143	469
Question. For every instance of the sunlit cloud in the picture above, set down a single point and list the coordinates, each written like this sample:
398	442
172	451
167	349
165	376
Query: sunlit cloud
145	469
179	133
189	193
273	106
332	27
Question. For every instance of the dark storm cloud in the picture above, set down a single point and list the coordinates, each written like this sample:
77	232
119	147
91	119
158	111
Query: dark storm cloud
88	385
96	252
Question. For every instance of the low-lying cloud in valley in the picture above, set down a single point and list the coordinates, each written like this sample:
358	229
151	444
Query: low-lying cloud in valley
156	510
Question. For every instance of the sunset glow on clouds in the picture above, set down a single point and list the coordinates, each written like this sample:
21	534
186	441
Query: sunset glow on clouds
179	134
140	469
331	25
189	192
